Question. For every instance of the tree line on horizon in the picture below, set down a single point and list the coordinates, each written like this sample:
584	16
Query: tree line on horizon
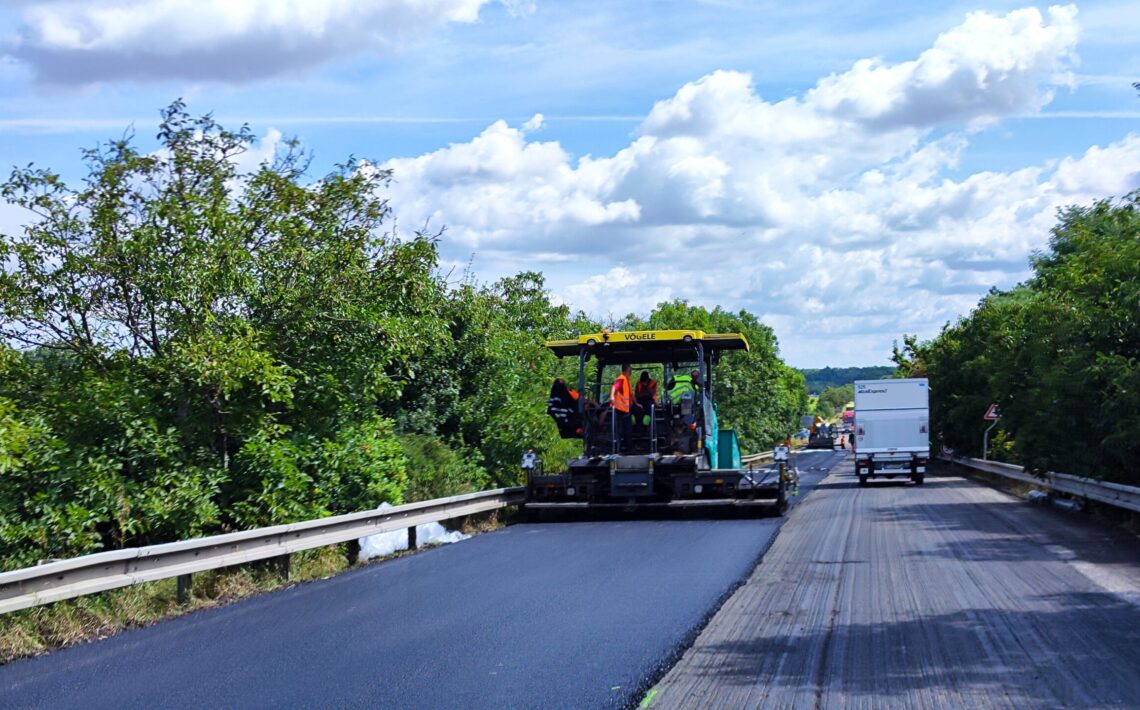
189	349
820	379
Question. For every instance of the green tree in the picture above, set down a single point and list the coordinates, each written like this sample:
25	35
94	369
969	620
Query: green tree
484	392
757	394
833	399
1060	354
211	345
820	379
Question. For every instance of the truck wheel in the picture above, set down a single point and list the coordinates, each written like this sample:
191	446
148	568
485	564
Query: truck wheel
862	481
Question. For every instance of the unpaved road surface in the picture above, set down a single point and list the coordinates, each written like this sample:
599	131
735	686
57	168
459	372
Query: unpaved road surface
951	594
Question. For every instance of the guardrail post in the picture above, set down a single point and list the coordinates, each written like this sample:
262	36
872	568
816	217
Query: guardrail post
986	440
282	564
412	538
353	551
183	594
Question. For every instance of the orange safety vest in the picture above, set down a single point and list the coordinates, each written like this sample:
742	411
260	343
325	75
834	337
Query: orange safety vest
620	394
646	390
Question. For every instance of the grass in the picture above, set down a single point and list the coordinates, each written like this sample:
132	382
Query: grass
35	631
40	630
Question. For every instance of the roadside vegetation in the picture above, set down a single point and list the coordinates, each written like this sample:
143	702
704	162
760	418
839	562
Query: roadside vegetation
190	347
832	400
758	395
31	632
42	629
1059	354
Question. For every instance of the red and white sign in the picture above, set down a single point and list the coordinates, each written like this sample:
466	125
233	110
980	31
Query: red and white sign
992	414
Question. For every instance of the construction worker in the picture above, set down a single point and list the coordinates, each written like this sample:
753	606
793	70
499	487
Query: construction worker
645	396
679	385
563	409
621	400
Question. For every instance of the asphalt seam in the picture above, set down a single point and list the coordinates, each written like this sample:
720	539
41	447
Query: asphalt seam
640	696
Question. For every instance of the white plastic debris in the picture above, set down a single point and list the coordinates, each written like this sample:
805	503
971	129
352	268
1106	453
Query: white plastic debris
1073	506
390	542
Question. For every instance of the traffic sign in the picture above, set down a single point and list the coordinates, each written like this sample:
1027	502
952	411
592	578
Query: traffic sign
992	414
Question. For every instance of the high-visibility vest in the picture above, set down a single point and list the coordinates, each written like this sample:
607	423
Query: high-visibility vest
620	395
646	390
681	385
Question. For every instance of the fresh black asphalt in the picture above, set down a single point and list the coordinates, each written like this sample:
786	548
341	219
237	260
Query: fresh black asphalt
570	614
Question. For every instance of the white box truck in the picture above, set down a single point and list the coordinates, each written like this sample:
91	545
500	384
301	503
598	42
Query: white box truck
892	429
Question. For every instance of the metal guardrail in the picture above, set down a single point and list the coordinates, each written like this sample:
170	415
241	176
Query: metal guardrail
102	571
756	458
1114	494
65	579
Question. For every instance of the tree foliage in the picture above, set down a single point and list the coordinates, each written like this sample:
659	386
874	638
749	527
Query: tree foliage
202	348
818	380
189	347
832	400
757	393
1060	354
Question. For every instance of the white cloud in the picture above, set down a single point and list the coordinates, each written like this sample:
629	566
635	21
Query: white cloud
985	68
535	123
99	40
500	189
617	292
831	214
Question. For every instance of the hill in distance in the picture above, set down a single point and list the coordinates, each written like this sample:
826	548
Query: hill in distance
820	379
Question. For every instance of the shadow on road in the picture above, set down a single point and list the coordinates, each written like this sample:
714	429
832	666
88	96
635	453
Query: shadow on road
1083	654
1012	531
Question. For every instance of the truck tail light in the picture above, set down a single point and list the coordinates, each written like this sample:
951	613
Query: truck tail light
922	428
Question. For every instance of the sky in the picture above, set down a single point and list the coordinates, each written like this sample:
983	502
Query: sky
848	171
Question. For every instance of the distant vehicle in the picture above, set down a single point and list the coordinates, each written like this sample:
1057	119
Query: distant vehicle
847	418
892	429
822	435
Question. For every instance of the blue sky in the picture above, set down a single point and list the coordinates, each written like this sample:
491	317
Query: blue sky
848	171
